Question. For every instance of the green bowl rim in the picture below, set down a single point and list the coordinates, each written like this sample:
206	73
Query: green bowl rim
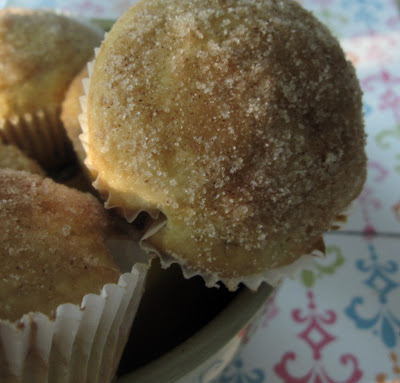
205	343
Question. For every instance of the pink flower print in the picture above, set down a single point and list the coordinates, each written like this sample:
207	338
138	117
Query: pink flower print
384	77
391	100
317	337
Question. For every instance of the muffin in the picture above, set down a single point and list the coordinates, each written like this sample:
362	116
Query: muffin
13	158
237	126
40	52
66	307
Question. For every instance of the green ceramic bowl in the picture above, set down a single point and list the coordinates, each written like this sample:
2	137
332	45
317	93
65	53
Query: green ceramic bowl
185	332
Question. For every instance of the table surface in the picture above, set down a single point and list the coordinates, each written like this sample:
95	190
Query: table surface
340	321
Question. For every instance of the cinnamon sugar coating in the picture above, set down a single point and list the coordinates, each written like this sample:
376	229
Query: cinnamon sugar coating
240	121
40	53
13	158
52	245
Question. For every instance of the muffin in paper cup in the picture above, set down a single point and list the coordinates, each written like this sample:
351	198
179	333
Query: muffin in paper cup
237	127
69	289
41	51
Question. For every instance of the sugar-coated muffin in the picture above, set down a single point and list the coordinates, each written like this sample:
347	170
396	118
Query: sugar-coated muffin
53	247
13	158
238	122
66	308
41	51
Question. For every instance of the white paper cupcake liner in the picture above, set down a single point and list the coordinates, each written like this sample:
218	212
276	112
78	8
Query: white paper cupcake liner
40	135
272	276
81	344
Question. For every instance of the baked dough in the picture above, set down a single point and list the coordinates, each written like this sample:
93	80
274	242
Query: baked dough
52	245
70	111
41	51
13	158
239	121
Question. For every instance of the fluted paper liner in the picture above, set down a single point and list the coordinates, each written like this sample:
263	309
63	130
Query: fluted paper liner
40	135
81	344
271	276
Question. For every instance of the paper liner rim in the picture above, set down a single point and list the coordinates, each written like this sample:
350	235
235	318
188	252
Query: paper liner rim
122	282
98	183
40	134
61	332
83	339
271	276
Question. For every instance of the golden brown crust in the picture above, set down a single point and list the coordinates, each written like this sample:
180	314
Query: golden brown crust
13	158
240	122
40	53
52	245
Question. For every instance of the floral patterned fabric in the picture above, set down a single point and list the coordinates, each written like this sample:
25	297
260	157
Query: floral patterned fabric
340	321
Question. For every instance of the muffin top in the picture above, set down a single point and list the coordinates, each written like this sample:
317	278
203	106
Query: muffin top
52	245
240	121
13	158
40	53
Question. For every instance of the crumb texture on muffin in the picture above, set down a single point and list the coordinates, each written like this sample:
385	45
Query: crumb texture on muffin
52	245
40	53
240	121
13	158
